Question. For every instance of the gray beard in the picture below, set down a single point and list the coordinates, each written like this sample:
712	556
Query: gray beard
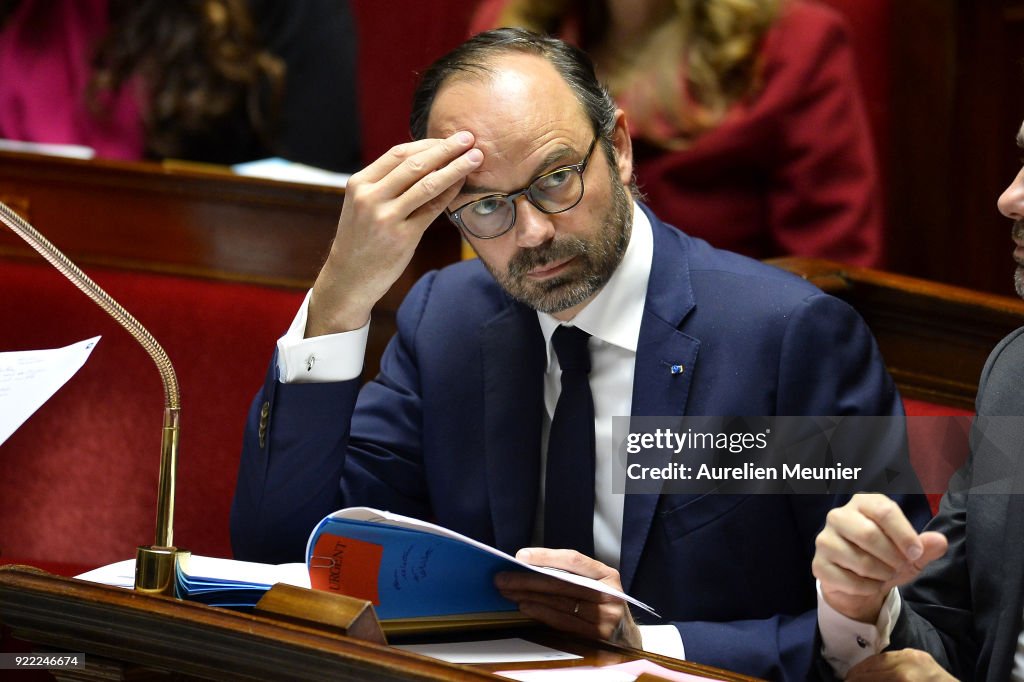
599	258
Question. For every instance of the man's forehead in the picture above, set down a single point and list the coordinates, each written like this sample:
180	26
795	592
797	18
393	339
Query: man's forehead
512	91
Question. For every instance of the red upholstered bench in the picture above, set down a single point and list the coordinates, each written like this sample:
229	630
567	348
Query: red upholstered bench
78	480
937	437
935	339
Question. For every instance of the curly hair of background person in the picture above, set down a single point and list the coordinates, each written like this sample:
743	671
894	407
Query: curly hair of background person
199	61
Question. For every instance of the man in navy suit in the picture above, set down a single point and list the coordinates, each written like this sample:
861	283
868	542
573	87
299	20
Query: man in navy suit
526	153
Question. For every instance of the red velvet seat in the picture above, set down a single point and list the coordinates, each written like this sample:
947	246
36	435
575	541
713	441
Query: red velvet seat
78	480
937	436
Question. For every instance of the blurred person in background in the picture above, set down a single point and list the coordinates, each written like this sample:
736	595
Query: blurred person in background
220	81
748	127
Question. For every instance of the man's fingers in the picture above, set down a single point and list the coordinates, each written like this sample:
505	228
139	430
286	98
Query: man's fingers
558	619
508	582
889	518
833	549
424	163
856	542
835	578
560	604
429	196
935	545
584	618
572	606
390	160
567	560
428	212
905	664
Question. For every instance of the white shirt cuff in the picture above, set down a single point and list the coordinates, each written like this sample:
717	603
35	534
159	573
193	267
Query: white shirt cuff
321	359
662	639
846	642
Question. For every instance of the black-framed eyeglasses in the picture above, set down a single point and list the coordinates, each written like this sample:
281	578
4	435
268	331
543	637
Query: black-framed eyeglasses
556	191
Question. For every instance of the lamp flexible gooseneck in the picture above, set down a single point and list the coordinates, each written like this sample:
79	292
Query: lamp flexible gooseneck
155	564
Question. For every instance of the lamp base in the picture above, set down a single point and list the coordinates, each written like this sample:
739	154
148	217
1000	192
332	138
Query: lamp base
155	568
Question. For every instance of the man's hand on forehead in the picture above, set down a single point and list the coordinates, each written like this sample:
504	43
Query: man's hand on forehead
388	206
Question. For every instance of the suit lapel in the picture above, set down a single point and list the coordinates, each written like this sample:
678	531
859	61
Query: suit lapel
657	389
513	402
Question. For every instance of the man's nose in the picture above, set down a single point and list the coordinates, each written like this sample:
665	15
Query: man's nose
1011	201
533	226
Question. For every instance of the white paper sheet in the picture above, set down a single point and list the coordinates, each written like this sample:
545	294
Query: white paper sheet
281	169
247	571
509	650
122	573
71	151
29	378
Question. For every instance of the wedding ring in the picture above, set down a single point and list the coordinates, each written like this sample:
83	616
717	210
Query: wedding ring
576	609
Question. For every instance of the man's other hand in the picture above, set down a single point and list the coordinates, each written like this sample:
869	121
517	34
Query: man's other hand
866	548
569	607
912	665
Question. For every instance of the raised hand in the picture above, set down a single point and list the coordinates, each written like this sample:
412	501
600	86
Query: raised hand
866	548
388	206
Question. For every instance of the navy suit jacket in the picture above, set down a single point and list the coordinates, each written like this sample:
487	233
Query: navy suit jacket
450	431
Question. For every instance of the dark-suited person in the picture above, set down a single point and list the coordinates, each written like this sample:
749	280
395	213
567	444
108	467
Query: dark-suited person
529	157
961	603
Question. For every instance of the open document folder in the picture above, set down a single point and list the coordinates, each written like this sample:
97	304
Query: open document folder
413	569
29	378
413	572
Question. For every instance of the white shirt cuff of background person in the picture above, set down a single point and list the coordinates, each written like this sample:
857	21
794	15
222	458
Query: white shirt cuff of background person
321	359
846	642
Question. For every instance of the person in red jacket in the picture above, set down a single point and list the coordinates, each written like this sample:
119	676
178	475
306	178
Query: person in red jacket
748	127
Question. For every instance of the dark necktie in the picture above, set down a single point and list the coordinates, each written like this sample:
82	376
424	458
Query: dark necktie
569	480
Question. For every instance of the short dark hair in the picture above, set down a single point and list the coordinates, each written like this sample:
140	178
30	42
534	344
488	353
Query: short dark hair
472	56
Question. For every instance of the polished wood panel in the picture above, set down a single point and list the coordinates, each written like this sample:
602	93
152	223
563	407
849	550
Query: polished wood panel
127	634
184	221
957	102
934	337
202	222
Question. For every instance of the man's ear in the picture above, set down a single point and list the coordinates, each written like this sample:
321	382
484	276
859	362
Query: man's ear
623	146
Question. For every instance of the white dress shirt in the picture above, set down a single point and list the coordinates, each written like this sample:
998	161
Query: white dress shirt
612	319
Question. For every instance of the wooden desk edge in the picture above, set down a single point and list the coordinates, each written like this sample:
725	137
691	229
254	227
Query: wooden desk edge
164	633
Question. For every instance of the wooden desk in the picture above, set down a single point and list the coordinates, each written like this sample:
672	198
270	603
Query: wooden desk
934	337
125	634
198	222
